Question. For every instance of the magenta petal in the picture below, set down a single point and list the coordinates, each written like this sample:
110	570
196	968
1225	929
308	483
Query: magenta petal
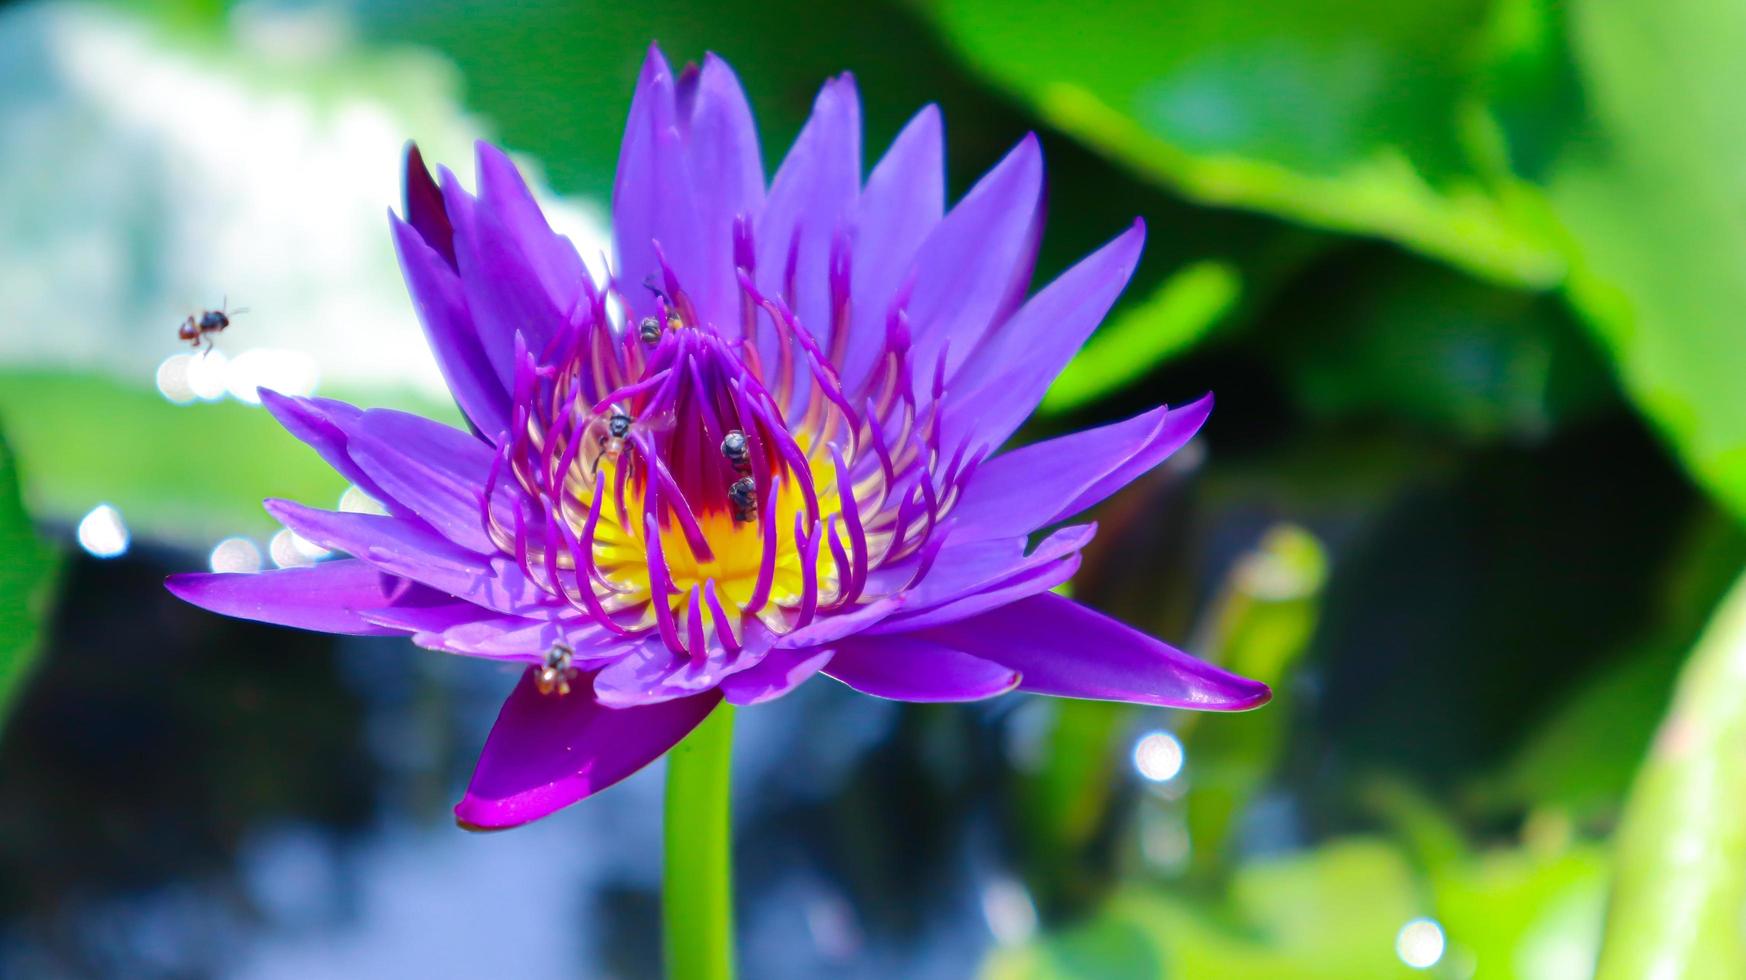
973	270
998	388
961	570
424	207
326	426
326	597
502	287
899	208
812	197
1065	649
434	618
727	178
437	472
1040	572
551	257
548	751
528	640
1033	487
909	668
778	673
651	672
652	200
412	551
442	309
842	623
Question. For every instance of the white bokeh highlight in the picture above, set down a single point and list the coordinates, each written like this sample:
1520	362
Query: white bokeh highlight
235	555
1420	944
103	533
1158	756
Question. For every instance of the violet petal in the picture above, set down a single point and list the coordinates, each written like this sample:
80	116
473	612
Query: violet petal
909	668
436	292
546	751
997	389
1035	486
972	271
327	597
778	673
1064	649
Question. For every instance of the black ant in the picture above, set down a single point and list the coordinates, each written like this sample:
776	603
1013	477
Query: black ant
610	439
556	675
744	496
200	329
649	329
733	446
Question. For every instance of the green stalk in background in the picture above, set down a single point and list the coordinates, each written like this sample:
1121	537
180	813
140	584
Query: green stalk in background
1680	886
697	904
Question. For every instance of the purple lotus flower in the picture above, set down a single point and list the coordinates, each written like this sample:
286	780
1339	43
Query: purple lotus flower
766	449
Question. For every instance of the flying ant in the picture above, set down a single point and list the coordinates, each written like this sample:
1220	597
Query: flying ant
199	329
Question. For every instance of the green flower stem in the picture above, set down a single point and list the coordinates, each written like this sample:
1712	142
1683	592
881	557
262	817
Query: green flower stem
697	903
1680	883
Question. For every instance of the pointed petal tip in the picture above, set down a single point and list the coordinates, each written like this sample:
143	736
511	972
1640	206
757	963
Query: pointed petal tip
1257	694
1195	412
182	585
656	70
413	160
284	511
477	828
478	816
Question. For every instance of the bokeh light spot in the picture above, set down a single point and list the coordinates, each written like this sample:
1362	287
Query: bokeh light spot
1158	756
1420	944
235	555
173	382
103	533
289	550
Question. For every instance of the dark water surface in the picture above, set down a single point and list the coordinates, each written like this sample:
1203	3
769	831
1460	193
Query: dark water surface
187	795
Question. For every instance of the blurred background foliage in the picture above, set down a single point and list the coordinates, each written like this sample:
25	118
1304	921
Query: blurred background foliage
1465	275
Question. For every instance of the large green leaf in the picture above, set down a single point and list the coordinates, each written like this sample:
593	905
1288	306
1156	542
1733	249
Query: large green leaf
1681	861
27	577
1656	205
1348	116
1181	313
1392	337
1330	913
1525	913
1582	755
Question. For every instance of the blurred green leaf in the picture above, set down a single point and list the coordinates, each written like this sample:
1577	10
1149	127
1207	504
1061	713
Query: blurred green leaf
1654	204
1178	315
191	473
1392	337
1523	913
1066	801
1681	849
1261	626
1583	754
1346	116
27	579
1332	913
